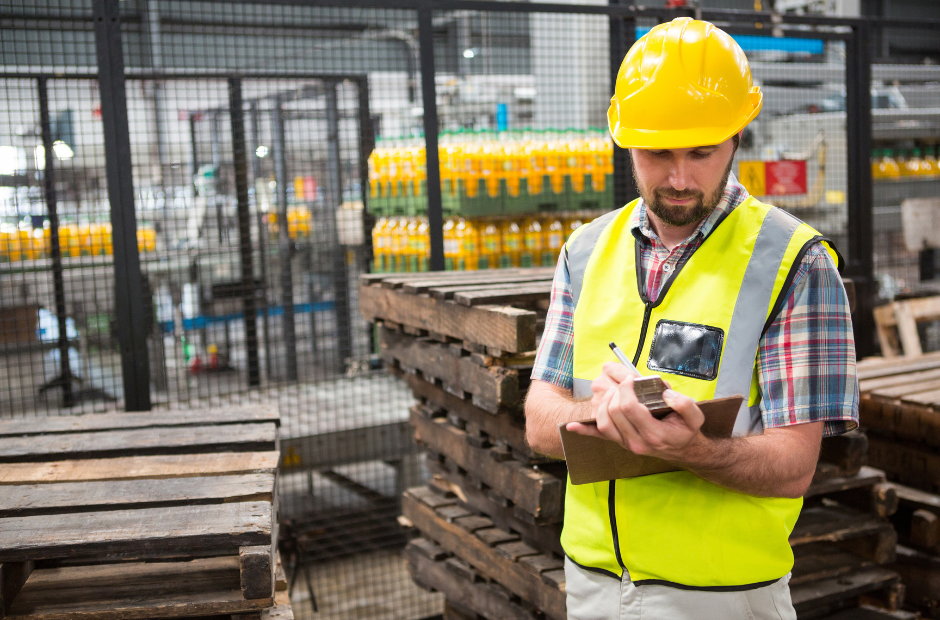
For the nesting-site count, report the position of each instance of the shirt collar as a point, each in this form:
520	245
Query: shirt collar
734	194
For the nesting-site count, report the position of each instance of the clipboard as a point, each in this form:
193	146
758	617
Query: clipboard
591	459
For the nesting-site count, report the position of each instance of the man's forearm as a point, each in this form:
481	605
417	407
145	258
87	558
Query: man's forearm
546	407
775	464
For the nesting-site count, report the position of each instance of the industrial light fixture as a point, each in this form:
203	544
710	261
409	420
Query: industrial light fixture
8	160
59	148
469	53
261	151
62	150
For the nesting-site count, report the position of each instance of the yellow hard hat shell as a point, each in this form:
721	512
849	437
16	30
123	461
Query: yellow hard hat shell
685	83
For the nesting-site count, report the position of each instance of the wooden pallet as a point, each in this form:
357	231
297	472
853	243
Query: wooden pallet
86	506
838	553
467	376
467	591
482	307
532	490
896	323
497	554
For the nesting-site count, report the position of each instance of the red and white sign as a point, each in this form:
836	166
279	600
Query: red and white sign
787	176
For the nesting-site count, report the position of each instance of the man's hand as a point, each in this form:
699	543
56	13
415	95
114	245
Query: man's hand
622	418
778	463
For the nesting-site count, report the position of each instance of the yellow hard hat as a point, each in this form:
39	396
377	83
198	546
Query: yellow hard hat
684	84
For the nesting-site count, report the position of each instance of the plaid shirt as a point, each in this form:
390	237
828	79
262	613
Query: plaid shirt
805	361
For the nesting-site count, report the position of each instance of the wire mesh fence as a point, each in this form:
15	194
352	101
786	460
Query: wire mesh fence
277	152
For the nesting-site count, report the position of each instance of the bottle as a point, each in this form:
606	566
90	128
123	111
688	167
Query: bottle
909	163
888	167
491	246
410	239
930	156
395	230
554	238
532	244
571	225
451	244
512	244
421	248
876	165
379	239
918	166
468	240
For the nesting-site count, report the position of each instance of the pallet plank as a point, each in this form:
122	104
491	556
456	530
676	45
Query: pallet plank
137	442
491	388
485	559
507	426
534	491
517	295
58	498
500	327
149	531
135	590
434	575
135	467
114	421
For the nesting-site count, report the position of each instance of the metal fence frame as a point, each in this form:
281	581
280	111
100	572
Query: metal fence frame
857	33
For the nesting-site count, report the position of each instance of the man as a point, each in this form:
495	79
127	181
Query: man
720	295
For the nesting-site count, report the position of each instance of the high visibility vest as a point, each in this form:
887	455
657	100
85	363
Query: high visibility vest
676	528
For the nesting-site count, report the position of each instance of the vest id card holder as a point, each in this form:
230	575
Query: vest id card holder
686	349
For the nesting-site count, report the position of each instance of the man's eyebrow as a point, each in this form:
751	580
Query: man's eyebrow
710	146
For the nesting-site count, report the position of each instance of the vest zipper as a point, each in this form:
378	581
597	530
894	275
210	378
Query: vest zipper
646	322
612	493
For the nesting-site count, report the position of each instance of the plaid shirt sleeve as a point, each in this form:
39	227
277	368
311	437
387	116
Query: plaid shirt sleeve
806	360
553	360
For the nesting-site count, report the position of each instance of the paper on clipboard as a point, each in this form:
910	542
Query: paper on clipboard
591	459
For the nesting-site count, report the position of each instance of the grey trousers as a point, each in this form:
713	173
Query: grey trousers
593	596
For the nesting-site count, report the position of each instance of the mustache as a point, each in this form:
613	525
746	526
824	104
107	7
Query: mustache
688	194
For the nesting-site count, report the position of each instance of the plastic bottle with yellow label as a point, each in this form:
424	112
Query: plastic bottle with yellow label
451	244
491	245
468	239
532	243
378	245
571	225
512	244
930	156
554	239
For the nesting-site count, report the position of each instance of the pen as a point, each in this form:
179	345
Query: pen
623	358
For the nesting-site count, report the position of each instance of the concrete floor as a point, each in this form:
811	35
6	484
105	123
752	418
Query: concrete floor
373	586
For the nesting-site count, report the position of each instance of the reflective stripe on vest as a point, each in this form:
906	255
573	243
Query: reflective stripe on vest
675	527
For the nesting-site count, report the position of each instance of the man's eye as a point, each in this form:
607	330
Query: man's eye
701	154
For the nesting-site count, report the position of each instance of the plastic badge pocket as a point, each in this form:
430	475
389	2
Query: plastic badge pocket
686	349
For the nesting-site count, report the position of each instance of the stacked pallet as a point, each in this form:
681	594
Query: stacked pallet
900	409
141	515
490	517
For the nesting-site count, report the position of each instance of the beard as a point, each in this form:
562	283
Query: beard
683	215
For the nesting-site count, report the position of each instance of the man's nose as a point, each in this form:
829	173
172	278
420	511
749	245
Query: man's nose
679	176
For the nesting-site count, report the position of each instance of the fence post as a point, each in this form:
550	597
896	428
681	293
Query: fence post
429	99
240	161
622	37
55	251
285	245
128	299
860	227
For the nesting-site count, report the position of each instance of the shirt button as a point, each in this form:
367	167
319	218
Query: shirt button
667	267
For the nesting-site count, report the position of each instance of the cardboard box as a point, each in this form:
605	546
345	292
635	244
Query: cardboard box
18	323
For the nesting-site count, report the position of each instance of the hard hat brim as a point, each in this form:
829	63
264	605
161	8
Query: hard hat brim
632	138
